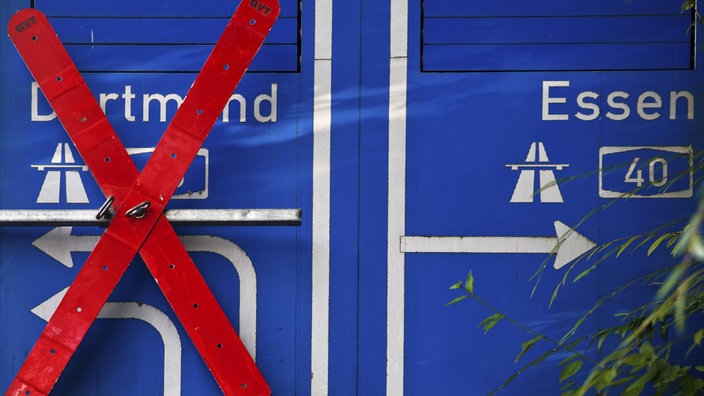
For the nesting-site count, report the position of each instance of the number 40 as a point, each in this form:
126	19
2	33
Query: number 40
652	170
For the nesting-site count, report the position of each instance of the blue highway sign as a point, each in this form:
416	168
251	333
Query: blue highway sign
420	141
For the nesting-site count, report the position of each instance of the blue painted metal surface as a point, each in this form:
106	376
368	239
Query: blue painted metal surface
255	156
560	76
584	85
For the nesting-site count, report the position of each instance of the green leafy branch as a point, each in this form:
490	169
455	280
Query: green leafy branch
634	364
467	287
643	356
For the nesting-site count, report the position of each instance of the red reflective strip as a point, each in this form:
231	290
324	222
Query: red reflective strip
159	250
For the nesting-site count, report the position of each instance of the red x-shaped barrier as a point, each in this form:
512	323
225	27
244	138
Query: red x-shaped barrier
139	200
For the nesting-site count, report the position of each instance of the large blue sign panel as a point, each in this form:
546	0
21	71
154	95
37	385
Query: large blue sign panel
139	59
422	141
521	120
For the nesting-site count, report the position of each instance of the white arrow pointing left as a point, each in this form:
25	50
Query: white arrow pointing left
144	312
59	243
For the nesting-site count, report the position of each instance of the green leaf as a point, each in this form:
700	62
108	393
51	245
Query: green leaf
692	387
526	346
700	368
615	355
605	378
490	322
663	330
554	294
634	389
469	283
623	381
657	242
570	370
456	300
669	374
456	285
602	338
568	359
636	360
625	245
647	350
583	274
509	380
673	238
643	242
567	387
687	5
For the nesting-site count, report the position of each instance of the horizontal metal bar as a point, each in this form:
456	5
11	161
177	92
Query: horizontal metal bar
215	217
234	216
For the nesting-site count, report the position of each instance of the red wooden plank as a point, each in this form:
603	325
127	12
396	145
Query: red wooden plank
125	235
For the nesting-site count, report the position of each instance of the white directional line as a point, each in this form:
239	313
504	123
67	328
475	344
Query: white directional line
477	244
59	243
247	277
320	216
146	313
567	245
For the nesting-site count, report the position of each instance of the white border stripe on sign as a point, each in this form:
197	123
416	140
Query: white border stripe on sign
395	300
320	311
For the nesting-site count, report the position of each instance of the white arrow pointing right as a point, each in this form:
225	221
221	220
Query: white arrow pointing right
567	245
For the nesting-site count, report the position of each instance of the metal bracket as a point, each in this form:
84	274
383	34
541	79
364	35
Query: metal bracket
106	211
